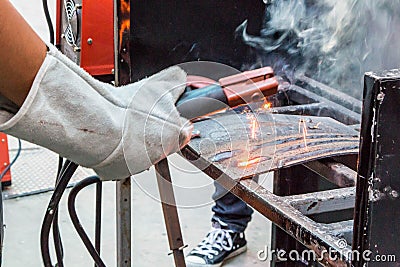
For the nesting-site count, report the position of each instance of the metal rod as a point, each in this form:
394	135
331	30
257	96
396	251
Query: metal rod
170	212
333	110
124	234
323	201
122	74
336	173
97	242
327	92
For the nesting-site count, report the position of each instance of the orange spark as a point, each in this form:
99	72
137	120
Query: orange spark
303	128
267	106
247	163
253	125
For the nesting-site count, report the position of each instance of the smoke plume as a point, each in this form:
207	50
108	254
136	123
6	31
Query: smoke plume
334	42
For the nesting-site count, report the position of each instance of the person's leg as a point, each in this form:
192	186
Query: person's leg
226	239
230	210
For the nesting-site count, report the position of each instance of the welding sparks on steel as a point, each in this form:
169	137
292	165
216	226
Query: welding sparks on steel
249	162
253	124
267	106
271	101
303	130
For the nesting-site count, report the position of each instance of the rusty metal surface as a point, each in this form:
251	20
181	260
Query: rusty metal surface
323	201
170	212
228	143
123	223
336	173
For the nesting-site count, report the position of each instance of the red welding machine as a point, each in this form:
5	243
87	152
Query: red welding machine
85	33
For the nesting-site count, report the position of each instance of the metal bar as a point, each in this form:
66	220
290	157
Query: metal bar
97	238
314	236
343	229
333	110
170	212
122	74
124	233
323	201
291	181
306	109
334	172
327	92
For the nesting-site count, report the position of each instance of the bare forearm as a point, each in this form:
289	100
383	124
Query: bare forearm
21	54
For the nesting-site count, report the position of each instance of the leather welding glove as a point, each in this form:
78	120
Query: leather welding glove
116	131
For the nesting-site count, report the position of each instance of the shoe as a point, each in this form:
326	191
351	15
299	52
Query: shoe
218	245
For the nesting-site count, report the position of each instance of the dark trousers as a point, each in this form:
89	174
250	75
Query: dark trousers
230	209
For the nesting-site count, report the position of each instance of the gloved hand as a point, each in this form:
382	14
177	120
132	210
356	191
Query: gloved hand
116	131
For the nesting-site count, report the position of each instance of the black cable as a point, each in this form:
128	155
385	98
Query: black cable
56	231
60	165
13	161
75	220
48	20
58	246
97	233
68	170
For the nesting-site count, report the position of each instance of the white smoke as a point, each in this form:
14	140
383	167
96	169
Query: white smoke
333	41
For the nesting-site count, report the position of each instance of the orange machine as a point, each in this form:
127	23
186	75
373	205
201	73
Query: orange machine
85	33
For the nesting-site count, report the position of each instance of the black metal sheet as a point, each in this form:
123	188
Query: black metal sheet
165	33
376	225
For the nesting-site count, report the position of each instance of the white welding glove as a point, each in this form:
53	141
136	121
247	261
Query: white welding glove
116	131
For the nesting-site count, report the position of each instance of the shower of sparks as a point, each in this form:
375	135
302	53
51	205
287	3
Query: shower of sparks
303	129
266	106
253	125
250	162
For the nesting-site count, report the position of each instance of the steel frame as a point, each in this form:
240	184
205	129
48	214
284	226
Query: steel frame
286	211
290	211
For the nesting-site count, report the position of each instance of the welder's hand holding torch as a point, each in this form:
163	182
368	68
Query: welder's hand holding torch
117	131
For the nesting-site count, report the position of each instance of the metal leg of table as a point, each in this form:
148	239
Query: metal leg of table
170	212
289	181
124	223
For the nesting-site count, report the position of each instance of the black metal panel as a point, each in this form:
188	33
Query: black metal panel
123	36
165	33
377	214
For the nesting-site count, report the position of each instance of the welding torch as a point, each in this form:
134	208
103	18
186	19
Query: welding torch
203	96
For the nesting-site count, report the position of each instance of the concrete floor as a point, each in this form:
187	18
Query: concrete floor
23	216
